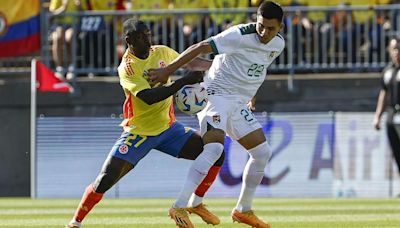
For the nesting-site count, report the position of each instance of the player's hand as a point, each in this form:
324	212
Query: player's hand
160	75
252	104
377	124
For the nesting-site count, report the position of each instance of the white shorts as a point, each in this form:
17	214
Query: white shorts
228	114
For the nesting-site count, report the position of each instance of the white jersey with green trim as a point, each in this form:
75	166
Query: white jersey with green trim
240	65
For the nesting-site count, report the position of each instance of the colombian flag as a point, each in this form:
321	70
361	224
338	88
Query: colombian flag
19	27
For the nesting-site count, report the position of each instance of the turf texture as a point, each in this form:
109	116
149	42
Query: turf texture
123	213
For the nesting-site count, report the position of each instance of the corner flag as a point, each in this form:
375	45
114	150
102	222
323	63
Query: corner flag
48	82
42	79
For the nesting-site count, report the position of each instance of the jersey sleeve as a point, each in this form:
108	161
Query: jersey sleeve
282	44
55	4
226	42
130	81
383	84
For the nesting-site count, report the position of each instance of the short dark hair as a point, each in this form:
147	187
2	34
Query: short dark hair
133	27
396	44
398	40
270	10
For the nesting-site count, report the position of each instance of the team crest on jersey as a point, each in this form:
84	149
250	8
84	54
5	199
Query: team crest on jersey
272	54
123	149
216	119
162	63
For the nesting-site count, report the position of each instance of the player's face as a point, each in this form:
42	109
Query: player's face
395	54
267	28
140	42
145	39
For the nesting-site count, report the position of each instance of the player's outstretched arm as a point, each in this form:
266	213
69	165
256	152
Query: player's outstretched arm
198	64
161	75
380	106
157	94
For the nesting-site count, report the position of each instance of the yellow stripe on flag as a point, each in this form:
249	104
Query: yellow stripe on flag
19	10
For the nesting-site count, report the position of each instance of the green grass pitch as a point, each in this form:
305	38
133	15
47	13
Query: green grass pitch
123	213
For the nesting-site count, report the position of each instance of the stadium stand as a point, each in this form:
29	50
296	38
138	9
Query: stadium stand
334	38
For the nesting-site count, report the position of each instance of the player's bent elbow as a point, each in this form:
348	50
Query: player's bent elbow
205	47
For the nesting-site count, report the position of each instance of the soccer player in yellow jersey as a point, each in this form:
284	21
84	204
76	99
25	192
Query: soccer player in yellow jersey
149	122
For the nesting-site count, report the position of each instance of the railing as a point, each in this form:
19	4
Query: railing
336	43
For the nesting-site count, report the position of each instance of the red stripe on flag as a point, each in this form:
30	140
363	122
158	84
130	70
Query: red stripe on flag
48	81
21	46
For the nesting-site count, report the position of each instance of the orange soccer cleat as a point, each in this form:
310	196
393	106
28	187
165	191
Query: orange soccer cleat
181	217
248	218
205	214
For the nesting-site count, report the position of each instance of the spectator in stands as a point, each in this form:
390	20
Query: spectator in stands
159	24
362	17
317	24
389	99
392	24
220	22
256	3
99	32
193	24
363	24
62	35
343	31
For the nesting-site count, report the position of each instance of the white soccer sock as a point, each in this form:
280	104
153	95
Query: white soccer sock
252	175
198	171
195	200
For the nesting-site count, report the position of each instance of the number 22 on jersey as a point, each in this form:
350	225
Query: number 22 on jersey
255	70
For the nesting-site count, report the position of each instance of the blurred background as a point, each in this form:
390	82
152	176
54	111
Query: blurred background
316	105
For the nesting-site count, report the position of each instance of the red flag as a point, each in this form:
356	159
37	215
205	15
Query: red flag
47	80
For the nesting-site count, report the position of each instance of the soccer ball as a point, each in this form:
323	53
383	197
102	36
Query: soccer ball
191	99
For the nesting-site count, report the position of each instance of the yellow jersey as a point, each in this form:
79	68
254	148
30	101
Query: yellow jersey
361	17
191	19
150	5
71	7
319	16
139	117
104	5
235	18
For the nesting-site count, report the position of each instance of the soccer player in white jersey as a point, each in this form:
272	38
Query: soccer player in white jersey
242	55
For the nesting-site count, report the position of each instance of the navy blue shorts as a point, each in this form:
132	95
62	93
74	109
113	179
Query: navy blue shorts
133	148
